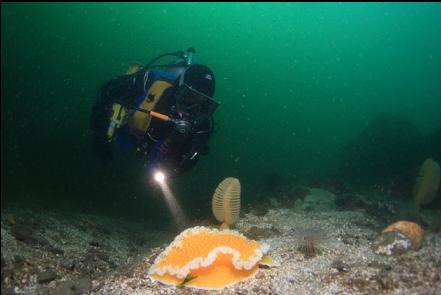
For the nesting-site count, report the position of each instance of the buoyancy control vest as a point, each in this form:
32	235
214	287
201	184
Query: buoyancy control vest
136	114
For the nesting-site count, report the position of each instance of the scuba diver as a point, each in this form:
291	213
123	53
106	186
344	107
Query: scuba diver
164	111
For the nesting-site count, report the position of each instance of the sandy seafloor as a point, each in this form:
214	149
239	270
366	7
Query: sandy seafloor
49	252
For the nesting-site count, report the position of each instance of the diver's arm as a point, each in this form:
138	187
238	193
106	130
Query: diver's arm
118	89
164	155
99	122
198	147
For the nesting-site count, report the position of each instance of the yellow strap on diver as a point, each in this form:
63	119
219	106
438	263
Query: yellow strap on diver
140	121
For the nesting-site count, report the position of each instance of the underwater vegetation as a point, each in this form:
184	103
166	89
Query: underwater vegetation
226	202
435	153
434	141
390	145
309	241
309	245
427	183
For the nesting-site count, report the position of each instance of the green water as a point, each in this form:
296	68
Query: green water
298	82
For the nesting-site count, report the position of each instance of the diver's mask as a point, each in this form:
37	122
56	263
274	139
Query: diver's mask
192	107
193	102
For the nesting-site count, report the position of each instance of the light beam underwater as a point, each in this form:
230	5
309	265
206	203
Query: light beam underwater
176	211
